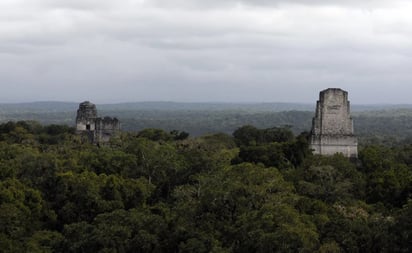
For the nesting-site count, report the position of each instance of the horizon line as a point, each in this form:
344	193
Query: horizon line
196	102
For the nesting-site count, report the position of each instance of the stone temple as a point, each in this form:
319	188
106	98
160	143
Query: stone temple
99	130
332	126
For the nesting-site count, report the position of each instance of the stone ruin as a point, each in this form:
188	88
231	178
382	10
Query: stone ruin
332	127
98	130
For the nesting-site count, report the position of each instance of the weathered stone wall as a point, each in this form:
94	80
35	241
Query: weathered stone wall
97	130
86	117
106	128
330	145
332	129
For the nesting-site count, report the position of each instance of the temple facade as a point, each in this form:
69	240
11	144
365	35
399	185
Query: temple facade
332	127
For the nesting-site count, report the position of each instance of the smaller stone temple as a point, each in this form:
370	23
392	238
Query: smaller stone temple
332	127
99	130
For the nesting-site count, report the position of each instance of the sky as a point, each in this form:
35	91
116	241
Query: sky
110	51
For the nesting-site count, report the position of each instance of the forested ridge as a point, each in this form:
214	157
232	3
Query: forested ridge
388	126
255	190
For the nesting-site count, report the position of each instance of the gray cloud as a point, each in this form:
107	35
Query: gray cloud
182	51
267	3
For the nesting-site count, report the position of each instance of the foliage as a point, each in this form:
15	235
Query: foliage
260	190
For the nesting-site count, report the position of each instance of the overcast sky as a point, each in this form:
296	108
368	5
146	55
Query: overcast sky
111	51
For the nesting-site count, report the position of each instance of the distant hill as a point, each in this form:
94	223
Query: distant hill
372	122
34	107
162	106
50	106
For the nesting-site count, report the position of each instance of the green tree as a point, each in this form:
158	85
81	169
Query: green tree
249	208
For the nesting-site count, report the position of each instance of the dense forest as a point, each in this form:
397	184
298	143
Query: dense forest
254	190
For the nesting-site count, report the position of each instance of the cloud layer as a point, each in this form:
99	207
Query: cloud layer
139	50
